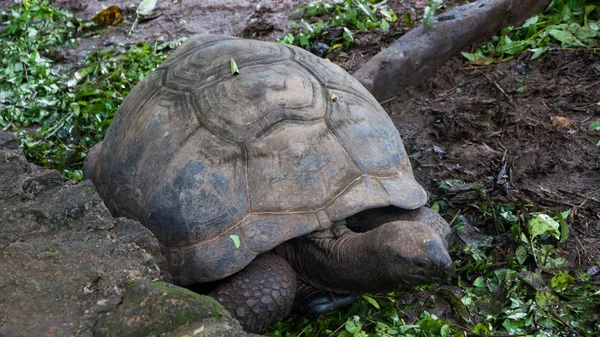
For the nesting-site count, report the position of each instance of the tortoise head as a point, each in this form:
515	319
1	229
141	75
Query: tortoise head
412	254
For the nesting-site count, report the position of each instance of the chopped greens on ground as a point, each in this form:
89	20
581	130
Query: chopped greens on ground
334	23
61	114
564	24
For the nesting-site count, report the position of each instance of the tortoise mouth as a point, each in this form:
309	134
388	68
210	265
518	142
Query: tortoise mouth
426	276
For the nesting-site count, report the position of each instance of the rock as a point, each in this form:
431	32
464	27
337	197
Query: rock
70	269
178	306
8	141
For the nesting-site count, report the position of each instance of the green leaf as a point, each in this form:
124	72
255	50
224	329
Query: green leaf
363	6
545	297
557	263
477	58
543	225
537	52
531	21
235	239
588	11
458	305
564	228
146	7
479	282
353	325
385	26
81	74
348	35
521	254
372	301
595	126
561	281
51	254
233	67
584	34
407	21
524	239
566	14
481	329
566	37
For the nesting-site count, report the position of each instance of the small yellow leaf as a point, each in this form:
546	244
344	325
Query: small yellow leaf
199	330
334	97
108	17
561	121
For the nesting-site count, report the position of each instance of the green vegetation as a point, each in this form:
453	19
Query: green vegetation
429	12
522	288
517	286
59	117
336	22
564	24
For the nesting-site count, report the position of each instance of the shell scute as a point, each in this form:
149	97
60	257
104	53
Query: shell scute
245	106
200	193
297	167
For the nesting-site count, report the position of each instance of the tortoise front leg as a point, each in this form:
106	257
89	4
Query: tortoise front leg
261	294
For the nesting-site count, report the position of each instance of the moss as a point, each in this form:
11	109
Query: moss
152	308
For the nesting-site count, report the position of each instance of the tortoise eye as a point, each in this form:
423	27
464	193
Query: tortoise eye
422	263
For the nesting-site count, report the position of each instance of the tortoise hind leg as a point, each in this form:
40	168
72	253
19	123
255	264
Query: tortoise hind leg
261	294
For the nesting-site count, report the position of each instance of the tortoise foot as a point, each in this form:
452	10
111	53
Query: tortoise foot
261	294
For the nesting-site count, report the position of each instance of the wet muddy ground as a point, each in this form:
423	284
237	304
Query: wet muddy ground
518	131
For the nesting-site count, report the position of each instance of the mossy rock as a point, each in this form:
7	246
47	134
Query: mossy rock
154	307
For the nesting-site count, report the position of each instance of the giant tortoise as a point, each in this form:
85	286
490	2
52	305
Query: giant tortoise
267	178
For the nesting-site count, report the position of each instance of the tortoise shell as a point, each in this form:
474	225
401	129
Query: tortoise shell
222	168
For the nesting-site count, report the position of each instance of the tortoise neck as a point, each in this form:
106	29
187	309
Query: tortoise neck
340	260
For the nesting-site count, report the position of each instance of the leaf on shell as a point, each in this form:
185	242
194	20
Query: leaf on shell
235	239
233	67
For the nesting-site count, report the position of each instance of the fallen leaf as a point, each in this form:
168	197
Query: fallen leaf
561	121
146	7
108	17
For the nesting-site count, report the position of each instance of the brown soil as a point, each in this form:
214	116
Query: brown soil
530	147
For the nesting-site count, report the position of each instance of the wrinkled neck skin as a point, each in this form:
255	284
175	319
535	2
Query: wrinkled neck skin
340	260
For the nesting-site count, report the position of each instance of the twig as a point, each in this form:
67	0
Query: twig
510	100
504	92
584	196
7	126
454	218
388	100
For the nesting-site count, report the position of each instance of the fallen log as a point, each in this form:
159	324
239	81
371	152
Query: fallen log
417	55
